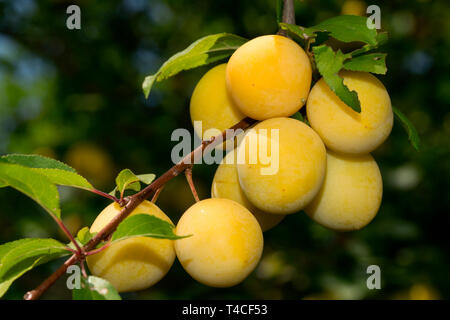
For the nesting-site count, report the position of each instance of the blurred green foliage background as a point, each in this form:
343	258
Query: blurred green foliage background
75	95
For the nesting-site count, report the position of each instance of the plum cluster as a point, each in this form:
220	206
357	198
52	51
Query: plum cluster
324	167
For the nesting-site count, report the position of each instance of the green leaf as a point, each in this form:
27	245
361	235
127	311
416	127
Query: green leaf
127	180
36	161
84	235
148	83
55	171
298	116
346	28
204	51
36	177
301	32
3	184
18	257
65	178
146	178
94	288
33	184
4	286
145	225
373	62
413	136
382	38
329	63
113	192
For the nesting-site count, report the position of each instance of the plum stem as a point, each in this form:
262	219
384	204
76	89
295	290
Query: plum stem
188	174
105	195
90	253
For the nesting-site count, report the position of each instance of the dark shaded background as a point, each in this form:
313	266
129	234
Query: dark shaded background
76	96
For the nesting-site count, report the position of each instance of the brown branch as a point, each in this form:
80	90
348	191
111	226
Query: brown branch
288	15
36	293
132	203
188	174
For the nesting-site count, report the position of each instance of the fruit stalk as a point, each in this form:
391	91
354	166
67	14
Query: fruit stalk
131	203
188	174
105	195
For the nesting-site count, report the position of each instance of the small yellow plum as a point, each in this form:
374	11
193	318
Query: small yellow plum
351	193
269	76
136	263
341	128
211	104
281	165
226	242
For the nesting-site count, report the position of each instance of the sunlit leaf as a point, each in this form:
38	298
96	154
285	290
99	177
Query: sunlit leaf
146	178
298	116
413	136
346	28
36	161
204	51
94	288
33	184
382	38
373	62
55	171
20	256
127	180
145	225
329	63
84	235
301	32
